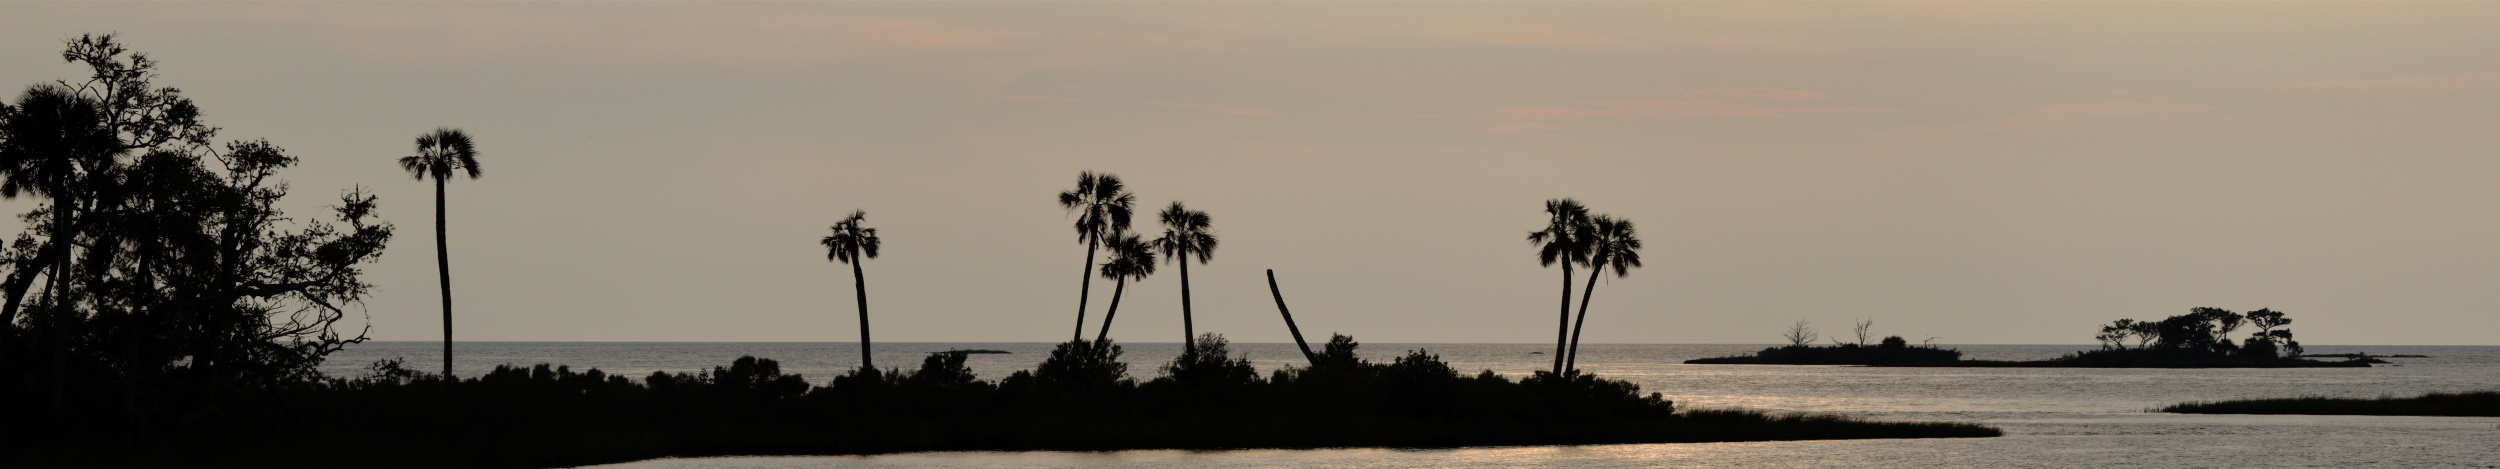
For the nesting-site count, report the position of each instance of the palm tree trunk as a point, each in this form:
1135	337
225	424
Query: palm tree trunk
67	239
1107	315
1562	333
1571	361
859	283
1189	332
1288	314
442	262
1086	290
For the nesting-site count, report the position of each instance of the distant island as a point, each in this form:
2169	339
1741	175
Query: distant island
1892	350
2198	339
2469	404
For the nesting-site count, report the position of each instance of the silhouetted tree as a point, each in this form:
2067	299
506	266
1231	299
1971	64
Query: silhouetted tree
65	139
1186	236
1102	206
1864	329
2114	335
442	155
1131	258
1564	240
51	142
2145	332
1800	334
850	244
1614	245
2268	322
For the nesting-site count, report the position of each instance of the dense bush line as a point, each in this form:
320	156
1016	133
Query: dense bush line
1080	398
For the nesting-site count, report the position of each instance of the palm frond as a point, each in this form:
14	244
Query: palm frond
851	242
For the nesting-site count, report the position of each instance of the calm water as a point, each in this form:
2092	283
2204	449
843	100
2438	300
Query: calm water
2052	417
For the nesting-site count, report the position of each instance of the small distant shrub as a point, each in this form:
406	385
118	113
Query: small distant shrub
943	371
1419	367
1209	364
758	376
1082	365
1337	361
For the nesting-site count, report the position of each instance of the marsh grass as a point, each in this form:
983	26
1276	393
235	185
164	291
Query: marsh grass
2467	404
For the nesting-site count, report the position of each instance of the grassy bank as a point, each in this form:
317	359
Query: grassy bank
1079	399
2470	404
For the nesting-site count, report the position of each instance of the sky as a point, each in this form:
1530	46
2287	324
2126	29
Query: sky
1976	173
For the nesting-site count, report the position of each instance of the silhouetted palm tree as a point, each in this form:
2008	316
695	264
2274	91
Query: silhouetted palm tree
441	155
1131	258
848	244
49	142
1186	235
1102	204
1563	240
1612	245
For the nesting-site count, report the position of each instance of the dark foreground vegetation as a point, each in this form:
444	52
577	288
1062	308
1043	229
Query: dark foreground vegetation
1079	399
2470	404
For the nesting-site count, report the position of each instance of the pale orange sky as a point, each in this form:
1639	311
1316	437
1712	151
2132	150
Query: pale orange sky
1978	172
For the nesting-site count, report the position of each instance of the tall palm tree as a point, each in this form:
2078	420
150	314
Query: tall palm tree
1186	235
847	244
50	142
1131	258
442	155
1563	240
1102	204
1612	245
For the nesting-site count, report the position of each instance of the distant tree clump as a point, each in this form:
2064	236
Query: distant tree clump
2202	333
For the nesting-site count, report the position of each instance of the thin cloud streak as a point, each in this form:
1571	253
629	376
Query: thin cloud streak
1635	108
2409	83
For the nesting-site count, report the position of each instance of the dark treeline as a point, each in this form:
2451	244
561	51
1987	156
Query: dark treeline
1079	398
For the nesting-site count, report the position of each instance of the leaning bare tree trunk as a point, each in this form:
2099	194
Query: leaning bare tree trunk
1289	327
1189	333
442	262
22	280
1562	333
1571	361
1119	288
1085	290
859	283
